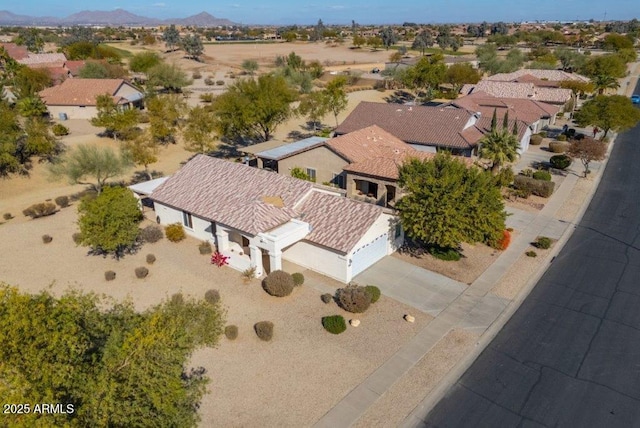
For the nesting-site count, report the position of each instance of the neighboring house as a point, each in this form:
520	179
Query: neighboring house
427	129
523	90
549	78
14	51
76	98
74	67
43	59
364	162
258	218
535	114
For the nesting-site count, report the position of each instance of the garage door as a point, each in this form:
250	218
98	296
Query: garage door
369	254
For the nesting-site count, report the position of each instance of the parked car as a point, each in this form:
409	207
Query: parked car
375	70
635	99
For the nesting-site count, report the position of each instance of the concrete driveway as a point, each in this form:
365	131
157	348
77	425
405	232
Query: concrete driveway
426	291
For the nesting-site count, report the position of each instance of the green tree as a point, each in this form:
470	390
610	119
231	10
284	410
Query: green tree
169	77
616	42
578	87
143	61
447	203
86	162
27	82
165	112
253	108
335	96
569	59
192	45
115	366
38	140
422	42
359	41
609	113
171	37
388	37
200	130
250	66
375	42
117	122
10	132
31	38
604	70
461	73
32	106
425	76
299	173
142	150
314	106
101	70
499	147
109	223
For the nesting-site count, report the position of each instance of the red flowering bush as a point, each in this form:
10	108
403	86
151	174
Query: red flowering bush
503	244
219	260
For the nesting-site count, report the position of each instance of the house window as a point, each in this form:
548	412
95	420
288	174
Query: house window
187	220
312	174
338	180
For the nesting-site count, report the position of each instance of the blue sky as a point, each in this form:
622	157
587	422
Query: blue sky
343	11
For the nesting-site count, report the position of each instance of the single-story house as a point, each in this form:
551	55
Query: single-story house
258	218
536	114
76	98
522	90
549	78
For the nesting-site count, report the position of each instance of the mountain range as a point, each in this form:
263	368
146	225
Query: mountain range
113	18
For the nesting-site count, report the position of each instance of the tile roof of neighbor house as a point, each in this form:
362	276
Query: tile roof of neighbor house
387	167
239	196
529	111
14	51
84	92
550	75
44	58
519	90
432	126
75	66
367	143
286	150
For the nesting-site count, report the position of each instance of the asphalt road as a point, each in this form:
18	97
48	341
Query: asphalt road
570	356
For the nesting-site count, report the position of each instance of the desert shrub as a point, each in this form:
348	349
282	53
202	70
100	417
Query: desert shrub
374	292
558	146
542	175
542	243
532	186
151	259
62	201
220	82
334	324
326	298
109	275
59	130
206	98
174	232
204	247
527	172
560	161
535	140
446	254
212	296
231	331
353	298
196	75
209	81
278	283
47	238
503	244
143	117
504	178
40	210
531	254
561	137
141	272
543	134
77	238
249	273
298	279
264	330
85	194
151	234
7	216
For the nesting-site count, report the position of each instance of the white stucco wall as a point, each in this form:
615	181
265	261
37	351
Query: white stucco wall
524	142
126	90
201	228
318	259
73	112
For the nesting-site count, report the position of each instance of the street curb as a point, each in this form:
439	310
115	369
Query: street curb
450	379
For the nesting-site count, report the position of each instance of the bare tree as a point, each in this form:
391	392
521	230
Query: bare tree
587	150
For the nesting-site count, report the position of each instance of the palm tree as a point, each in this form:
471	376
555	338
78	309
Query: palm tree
499	146
603	82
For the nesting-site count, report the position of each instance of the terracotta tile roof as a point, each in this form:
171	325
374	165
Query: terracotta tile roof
80	91
232	194
14	51
519	90
75	66
549	75
385	167
529	111
43	58
57	64
431	126
337	222
367	143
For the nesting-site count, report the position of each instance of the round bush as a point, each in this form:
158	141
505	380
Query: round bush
535	140
298	279
543	134
264	330
446	254
151	259
558	147
141	272
109	275
531	254
326	298
212	296
151	234
7	216
220	82
543	243
560	161
561	137
278	283
542	175
177	299
77	238
231	331
46	239
334	324
174	232
374	292
59	130
205	247
62	201
353	298
196	75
